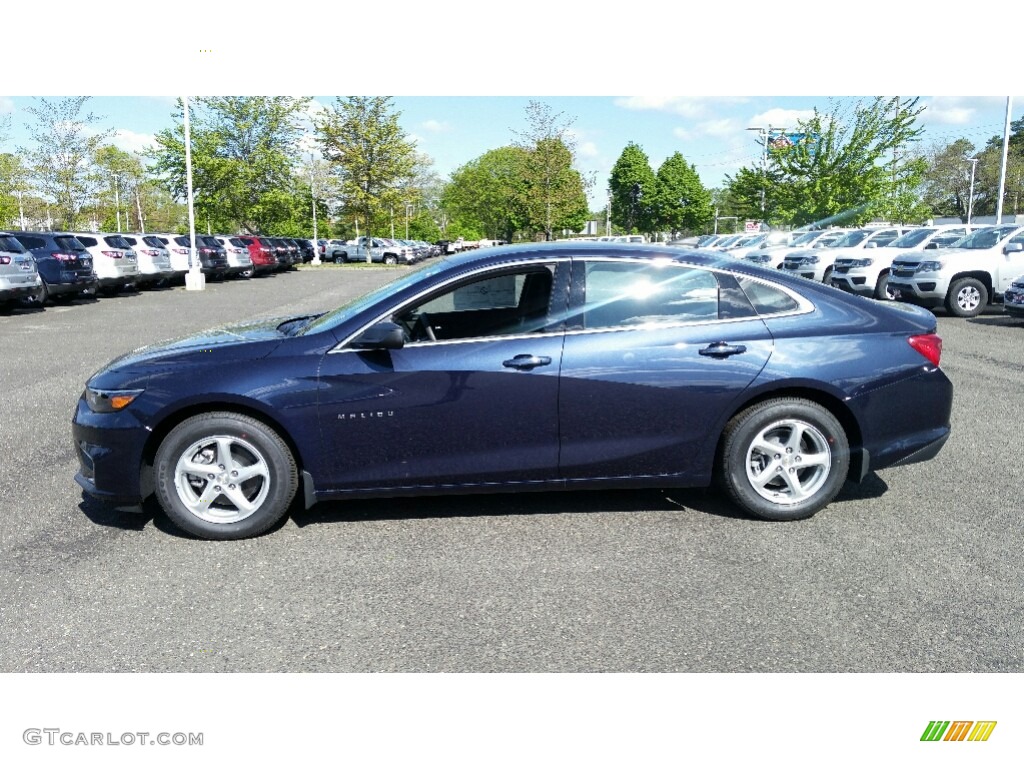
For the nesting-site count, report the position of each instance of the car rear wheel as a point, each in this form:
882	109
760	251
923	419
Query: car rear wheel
784	459
967	297
390	259
224	475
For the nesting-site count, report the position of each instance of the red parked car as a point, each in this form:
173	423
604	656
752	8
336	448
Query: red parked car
262	254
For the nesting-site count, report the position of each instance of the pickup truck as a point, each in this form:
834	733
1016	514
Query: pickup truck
381	251
965	279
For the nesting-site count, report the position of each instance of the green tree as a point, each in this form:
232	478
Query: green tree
369	153
857	163
489	194
243	154
15	186
61	161
679	201
632	185
556	195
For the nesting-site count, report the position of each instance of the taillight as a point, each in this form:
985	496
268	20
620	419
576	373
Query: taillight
63	256
113	254
929	345
5	259
148	252
182	251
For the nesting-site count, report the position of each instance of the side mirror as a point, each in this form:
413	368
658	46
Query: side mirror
383	335
932	247
872	244
1013	248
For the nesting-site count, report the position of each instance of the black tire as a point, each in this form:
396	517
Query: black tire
814	432
44	293
827	277
882	291
251	447
967	297
390	259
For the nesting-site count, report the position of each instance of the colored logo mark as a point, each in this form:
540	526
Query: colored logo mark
958	730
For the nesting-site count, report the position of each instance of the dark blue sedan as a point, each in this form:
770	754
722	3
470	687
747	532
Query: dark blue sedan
534	367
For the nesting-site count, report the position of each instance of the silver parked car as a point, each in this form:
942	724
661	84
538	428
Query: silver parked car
18	276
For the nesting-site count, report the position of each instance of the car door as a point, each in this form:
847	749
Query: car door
1011	263
654	356
471	398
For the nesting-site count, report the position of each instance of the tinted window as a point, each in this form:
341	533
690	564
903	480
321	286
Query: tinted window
116	241
623	294
767	299
10	244
851	239
68	243
211	242
182	240
153	241
88	242
237	242
131	241
986	238
912	238
32	243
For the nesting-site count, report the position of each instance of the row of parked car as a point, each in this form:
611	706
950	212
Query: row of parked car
43	266
382	250
960	267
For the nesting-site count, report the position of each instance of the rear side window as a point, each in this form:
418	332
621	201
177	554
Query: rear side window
154	242
131	241
767	299
32	243
237	242
68	243
88	242
625	294
116	241
211	242
182	240
10	244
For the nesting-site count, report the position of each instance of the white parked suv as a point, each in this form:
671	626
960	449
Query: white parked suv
239	260
964	279
868	275
113	260
816	264
153	258
18	276
773	256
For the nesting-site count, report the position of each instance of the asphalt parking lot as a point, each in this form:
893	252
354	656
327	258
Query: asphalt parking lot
917	570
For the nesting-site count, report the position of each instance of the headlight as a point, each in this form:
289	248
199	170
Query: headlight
811	258
930	266
109	400
861	262
760	258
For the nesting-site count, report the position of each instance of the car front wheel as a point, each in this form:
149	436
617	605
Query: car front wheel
784	459
224	475
967	297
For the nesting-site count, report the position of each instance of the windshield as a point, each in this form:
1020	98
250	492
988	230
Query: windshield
851	239
807	237
912	238
357	305
988	237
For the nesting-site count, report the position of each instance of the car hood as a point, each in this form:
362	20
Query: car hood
243	341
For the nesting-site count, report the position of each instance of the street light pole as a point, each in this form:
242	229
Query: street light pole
1002	166
970	197
117	202
195	280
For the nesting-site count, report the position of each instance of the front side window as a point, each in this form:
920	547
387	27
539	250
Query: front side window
512	302
913	238
622	294
850	239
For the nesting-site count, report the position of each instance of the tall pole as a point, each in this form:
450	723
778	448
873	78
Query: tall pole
1002	166
970	197
608	215
21	211
117	204
195	280
138	207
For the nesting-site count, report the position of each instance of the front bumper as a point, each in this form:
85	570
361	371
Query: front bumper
109	447
927	291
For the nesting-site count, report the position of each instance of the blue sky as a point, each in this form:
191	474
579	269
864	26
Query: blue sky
709	131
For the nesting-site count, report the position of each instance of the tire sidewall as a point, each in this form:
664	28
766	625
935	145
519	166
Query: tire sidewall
954	290
281	465
747	425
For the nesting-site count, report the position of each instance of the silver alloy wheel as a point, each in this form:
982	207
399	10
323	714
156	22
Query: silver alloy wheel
222	479
788	461
968	298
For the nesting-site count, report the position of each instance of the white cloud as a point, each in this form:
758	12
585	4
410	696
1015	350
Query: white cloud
719	128
680	105
6	105
435	126
588	149
130	141
781	118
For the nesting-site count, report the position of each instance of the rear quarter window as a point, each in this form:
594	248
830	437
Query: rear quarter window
32	243
767	299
